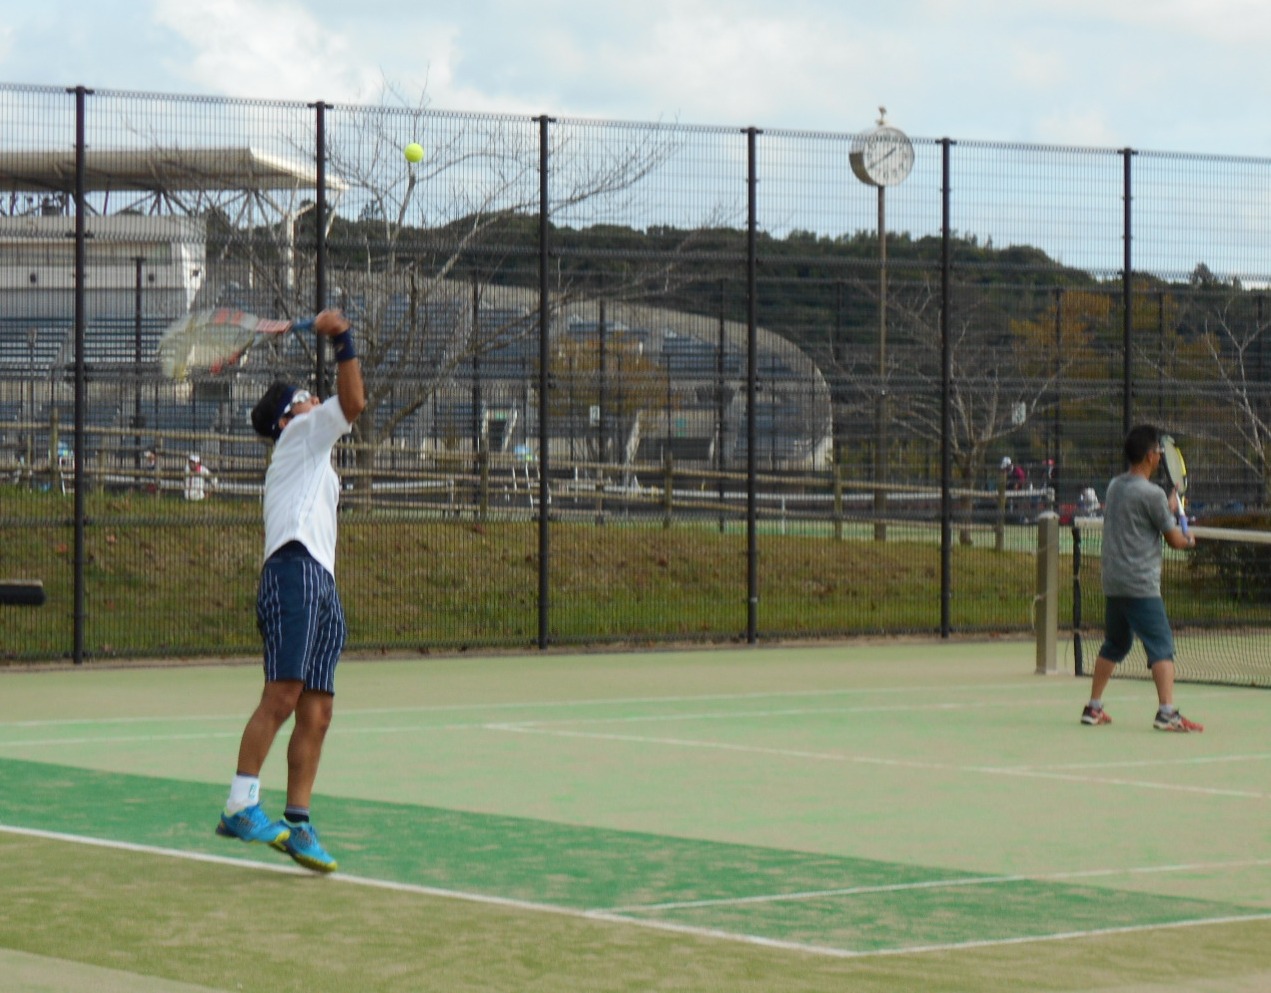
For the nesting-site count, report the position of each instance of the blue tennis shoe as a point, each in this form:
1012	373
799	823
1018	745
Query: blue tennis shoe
302	845
252	824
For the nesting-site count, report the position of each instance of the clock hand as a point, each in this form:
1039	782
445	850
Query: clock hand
885	156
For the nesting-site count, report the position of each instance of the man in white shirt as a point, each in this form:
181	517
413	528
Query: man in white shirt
298	609
197	478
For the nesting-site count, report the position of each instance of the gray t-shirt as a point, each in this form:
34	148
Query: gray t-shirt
1135	515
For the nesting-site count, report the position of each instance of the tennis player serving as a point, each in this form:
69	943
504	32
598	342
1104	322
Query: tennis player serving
298	609
1136	515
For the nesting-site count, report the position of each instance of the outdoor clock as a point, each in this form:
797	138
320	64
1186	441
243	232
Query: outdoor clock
882	157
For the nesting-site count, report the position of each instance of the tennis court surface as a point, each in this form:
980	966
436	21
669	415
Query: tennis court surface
874	817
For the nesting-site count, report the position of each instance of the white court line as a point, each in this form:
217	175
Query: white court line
957	881
117	740
1149	763
611	917
1023	771
345	713
1062	772
1137	783
727	715
1012	687
535	704
340	727
335	731
1056	936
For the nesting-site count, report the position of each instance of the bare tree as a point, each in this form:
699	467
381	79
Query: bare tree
1231	355
436	259
1005	374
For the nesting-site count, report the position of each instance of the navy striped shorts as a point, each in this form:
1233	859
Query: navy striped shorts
300	618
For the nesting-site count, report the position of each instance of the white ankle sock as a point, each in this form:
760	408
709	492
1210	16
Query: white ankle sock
244	792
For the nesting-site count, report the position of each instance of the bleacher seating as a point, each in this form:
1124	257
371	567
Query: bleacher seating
694	358
29	349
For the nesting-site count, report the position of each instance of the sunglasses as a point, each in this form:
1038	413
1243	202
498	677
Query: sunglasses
300	396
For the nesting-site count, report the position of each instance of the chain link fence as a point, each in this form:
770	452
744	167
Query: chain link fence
770	400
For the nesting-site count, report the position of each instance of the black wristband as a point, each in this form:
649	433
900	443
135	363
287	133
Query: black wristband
343	344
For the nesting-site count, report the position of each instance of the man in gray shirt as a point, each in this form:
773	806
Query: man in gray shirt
1136	515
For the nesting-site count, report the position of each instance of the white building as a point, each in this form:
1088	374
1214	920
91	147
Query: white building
37	265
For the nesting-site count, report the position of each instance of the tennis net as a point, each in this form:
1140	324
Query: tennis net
1217	596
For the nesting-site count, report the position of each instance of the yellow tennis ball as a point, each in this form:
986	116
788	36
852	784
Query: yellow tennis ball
414	152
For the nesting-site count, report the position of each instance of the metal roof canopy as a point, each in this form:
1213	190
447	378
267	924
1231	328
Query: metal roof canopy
159	170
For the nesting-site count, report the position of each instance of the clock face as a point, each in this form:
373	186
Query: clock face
883	157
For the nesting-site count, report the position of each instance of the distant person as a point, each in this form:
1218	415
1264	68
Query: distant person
1016	478
1136	515
298	609
197	478
65	466
1088	503
150	466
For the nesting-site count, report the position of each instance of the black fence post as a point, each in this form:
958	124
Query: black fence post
1127	298
721	462
139	262
752	325
320	235
1078	661
946	386
80	457
544	361
1057	424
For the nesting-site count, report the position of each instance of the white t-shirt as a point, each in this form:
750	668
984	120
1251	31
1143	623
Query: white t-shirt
302	489
196	477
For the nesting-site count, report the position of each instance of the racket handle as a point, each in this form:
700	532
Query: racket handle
1183	525
304	324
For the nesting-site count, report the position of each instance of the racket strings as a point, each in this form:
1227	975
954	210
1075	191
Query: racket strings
212	341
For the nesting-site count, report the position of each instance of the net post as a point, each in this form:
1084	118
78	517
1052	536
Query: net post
1046	602
1078	662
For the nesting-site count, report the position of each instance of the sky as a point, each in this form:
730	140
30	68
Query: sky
1155	75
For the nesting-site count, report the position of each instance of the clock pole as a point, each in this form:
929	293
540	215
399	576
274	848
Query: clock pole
880	445
881	158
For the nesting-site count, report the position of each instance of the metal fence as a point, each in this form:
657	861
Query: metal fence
751	359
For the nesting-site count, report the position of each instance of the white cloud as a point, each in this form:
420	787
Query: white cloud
264	48
1040	70
1245	23
747	68
1159	74
1089	128
702	62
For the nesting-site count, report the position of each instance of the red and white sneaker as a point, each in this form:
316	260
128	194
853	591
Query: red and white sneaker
1175	722
1095	716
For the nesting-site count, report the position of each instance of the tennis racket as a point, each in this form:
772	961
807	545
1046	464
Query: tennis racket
211	341
1176	475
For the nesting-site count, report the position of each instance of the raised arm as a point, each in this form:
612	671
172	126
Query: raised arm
348	376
